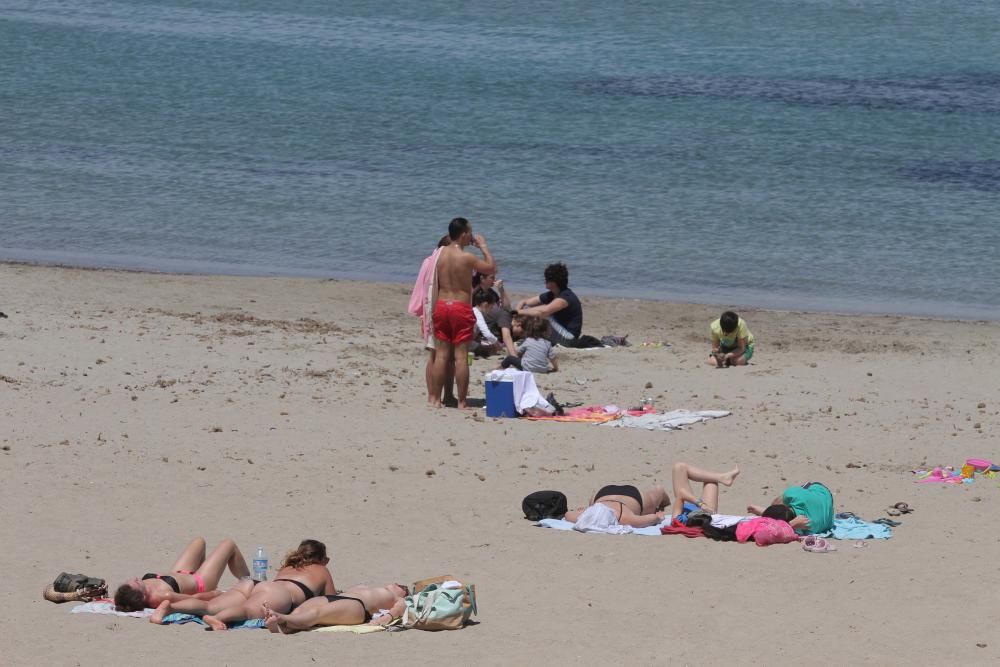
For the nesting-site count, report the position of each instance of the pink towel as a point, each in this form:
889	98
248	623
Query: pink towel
421	294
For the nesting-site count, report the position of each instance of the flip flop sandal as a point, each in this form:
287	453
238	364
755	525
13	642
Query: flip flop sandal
817	545
903	507
893	512
848	515
888	522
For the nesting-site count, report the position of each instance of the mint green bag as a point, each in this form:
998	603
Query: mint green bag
436	608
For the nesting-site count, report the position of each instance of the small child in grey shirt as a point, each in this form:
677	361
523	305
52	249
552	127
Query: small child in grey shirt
536	353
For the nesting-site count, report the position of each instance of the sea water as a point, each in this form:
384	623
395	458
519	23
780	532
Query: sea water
823	154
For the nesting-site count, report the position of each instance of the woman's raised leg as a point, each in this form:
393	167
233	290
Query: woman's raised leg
684	474
227	554
192	557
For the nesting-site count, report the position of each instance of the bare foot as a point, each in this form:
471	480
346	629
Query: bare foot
462	405
214	623
727	479
275	622
160	613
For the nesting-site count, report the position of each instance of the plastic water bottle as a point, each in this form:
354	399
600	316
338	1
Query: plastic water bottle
260	565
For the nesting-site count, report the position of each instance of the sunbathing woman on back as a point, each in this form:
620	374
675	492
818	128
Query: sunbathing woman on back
375	605
302	576
193	575
643	509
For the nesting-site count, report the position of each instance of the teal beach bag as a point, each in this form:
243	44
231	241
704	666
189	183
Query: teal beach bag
436	608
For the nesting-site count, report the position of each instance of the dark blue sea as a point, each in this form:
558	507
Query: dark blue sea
833	155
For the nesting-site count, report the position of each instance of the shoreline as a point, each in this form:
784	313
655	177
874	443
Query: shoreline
523	288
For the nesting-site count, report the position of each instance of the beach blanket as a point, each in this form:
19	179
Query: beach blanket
853	528
596	414
258	623
591	415
562	524
667	421
105	606
356	629
182	619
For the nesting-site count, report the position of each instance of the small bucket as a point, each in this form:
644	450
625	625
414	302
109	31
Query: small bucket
979	465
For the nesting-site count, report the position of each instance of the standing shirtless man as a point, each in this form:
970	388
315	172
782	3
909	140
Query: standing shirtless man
454	321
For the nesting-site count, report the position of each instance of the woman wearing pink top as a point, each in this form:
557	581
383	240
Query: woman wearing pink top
422	305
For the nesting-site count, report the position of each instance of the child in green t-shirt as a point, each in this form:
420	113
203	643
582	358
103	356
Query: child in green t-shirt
732	342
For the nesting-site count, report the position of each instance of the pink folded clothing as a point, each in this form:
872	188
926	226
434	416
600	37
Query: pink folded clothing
765	531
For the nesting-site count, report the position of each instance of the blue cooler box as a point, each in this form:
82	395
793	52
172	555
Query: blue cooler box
499	398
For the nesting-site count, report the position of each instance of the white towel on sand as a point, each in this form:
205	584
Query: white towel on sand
667	421
562	524
108	607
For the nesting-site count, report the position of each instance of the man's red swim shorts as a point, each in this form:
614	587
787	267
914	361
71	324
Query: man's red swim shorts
454	321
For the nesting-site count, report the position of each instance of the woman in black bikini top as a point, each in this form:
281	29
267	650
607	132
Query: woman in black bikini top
194	573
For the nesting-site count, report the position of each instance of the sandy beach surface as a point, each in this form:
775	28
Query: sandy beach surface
142	410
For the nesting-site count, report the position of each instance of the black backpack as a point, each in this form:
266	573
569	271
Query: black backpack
544	505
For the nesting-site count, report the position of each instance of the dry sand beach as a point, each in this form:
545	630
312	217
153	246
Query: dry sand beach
142	410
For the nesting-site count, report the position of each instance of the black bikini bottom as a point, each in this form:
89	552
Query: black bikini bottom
305	589
620	490
334	598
